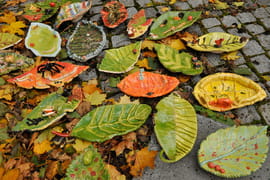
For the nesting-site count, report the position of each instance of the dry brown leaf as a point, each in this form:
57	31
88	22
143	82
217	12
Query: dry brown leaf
114	174
189	37
143	64
2	171
126	100
149	54
83	108
10	164
174	43
52	169
90	87
127	142
148	44
184	78
14	2
41	148
25	169
11	174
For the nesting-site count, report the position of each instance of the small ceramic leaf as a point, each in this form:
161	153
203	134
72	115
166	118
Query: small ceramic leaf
174	61
48	111
225	91
13	61
172	22
147	84
218	42
175	127
122	59
8	40
234	151
138	25
108	121
88	165
42	40
86	42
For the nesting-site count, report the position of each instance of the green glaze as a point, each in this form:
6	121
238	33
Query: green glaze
8	40
105	122
237	150
57	102
122	59
174	61
170	23
175	127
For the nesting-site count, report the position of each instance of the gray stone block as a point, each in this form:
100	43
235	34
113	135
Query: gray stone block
240	60
181	5
263	2
96	18
127	3
246	17
195	28
261	13
264	40
89	74
215	29
264	110
252	76
150	12
160	9
261	63
120	40
97	2
210	22
252	48
255	29
131	12
234	31
267	9
214	59
229	20
95	10
266	22
195	3
143	3
247	114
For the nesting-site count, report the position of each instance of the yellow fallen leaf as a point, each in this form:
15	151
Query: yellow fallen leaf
2	171
188	37
238	4
231	56
7	91
267	78
80	145
14	28
114	174
96	98
51	169
126	100
172	1
221	5
176	44
164	9
11	174
148	44
143	64
8	17
43	147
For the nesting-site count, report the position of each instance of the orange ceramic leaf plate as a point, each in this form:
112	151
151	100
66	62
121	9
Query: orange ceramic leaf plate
53	73
147	84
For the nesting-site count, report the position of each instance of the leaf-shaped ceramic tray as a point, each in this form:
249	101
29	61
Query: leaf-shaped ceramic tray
147	84
8	40
86	42
174	61
50	109
13	61
88	165
234	151
42	40
218	42
226	91
113	13
52	73
138	24
120	60
175	127
172	22
108	121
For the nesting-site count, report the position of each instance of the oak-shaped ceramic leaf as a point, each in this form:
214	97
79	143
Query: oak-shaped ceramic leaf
226	91
138	25
147	84
172	22
42	40
88	165
108	121
49	110
175	127
218	42
174	61
122	59
13	61
234	151
8	40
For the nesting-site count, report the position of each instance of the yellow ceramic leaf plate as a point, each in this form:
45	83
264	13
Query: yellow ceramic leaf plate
225	91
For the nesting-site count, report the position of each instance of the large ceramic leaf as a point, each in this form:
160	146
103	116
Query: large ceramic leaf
172	22
88	165
8	40
225	91
108	121
147	84
234	151
174	61
122	59
218	42
175	127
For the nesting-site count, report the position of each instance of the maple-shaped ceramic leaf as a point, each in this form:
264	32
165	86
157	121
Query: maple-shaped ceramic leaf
120	60
108	121
175	127
234	151
172	22
138	25
88	165
147	84
174	61
218	42
225	91
8	40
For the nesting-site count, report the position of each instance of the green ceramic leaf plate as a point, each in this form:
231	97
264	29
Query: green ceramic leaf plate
8	40
234	151
175	127
218	42
49	110
88	165
108	121
172	22
122	59
174	61
13	61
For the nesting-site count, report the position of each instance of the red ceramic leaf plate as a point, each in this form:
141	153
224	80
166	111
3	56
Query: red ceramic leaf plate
147	84
42	76
113	13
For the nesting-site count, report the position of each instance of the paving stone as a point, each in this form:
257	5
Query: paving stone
127	3
252	76
267	9
210	22
234	31
97	2
95	10
240	60
96	18
122	28
264	40
214	59
261	13
264	110
266	22
246	17
263	2
181	5
229	20
120	40
160	9
143	3
247	114
266	90
150	12
215	29
261	63
89	74
131	12
195	28
195	3
255	29
252	48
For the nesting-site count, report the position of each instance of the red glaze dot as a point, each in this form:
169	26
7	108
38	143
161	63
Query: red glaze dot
76	169
256	154
96	160
256	146
237	159
93	173
217	168
72	175
35	18
211	165
248	167
32	44
52	4
190	18
222	171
